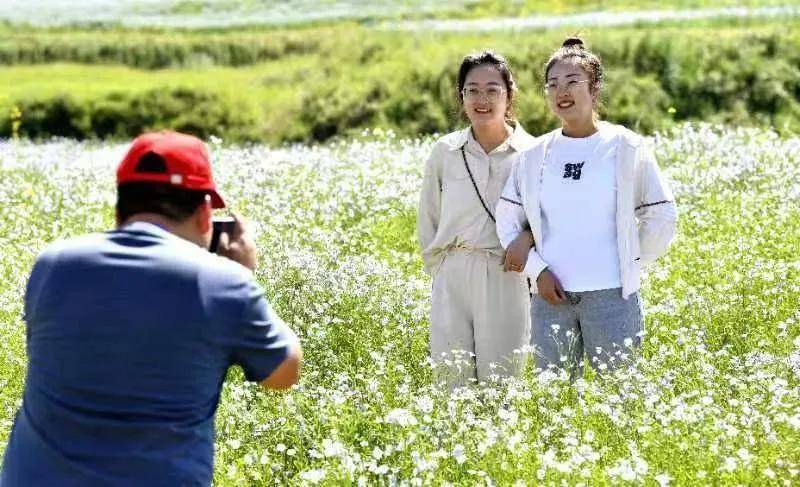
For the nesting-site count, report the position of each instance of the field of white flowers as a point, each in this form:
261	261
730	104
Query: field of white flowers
210	13
714	400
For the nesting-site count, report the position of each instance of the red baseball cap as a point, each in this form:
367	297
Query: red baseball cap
188	164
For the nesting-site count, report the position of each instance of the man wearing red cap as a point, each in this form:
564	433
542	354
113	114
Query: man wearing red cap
130	334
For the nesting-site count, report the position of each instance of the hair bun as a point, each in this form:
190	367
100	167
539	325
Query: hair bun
573	42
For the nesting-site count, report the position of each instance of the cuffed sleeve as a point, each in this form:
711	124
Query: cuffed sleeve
535	264
243	321
262	340
656	212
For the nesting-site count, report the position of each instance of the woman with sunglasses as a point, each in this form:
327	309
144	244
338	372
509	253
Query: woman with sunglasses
480	300
599	209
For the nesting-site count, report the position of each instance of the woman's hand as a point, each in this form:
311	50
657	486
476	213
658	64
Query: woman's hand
550	288
517	252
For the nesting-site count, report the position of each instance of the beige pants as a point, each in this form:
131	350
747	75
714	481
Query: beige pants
479	309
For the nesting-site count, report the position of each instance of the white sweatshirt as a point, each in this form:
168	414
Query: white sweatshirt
578	203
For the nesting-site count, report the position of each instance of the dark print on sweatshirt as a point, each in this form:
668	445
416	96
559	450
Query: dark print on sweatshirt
573	170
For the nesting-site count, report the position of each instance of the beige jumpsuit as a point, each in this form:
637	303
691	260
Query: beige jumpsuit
475	306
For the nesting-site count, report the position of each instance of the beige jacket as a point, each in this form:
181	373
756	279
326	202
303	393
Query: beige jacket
450	215
646	213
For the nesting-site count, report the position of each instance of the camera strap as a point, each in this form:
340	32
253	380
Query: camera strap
483	203
474	185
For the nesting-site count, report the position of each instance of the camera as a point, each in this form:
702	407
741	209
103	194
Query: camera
221	224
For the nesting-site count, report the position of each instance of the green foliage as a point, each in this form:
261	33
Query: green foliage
334	109
154	49
121	115
334	81
60	117
424	101
638	102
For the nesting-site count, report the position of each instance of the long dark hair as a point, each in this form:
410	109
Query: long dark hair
487	58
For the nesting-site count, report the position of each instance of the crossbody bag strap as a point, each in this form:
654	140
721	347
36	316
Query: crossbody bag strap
483	203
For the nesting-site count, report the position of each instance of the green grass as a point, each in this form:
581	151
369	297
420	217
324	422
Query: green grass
262	83
353	77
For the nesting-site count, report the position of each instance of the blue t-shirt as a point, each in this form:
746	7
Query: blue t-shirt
129	337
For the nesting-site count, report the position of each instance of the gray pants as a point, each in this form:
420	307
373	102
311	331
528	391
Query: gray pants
601	324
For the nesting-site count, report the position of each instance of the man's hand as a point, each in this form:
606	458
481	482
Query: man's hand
240	246
550	288
517	252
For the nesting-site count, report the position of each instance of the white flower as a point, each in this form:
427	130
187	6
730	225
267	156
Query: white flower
628	469
313	476
623	470
424	404
422	464
331	448
744	455
729	464
458	454
663	479
379	469
402	417
508	415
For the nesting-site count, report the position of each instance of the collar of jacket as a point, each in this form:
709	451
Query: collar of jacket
519	140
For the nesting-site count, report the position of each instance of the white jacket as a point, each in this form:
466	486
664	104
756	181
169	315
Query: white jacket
646	213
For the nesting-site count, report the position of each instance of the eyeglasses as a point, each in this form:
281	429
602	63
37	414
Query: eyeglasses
492	93
553	87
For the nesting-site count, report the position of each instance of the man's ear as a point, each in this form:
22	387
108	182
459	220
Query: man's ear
202	216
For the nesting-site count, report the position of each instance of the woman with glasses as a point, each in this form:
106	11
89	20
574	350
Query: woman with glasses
599	209
480	301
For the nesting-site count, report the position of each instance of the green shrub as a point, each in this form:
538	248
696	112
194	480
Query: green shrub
336	109
424	102
60	116
126	115
149	50
639	103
